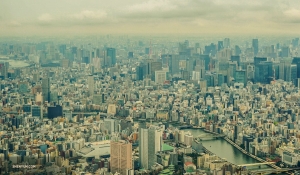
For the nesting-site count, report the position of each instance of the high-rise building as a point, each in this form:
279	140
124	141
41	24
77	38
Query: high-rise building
37	111
174	64
3	69
55	111
206	59
150	141
120	156
241	76
140	72
153	67
226	43
264	72
295	42
91	85
109	125
255	46
46	89
160	77
220	45
236	58
290	72
111	52
257	60
296	60
237	50
285	51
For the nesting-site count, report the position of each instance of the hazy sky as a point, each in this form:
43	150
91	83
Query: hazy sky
48	17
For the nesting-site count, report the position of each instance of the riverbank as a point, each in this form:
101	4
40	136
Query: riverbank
244	151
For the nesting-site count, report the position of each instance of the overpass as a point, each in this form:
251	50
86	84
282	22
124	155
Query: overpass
256	164
209	136
269	171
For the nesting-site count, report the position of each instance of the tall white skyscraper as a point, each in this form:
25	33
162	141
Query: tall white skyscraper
91	85
150	143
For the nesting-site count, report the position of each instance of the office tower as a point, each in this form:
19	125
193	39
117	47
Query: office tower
147	51
264	72
236	58
190	64
295	42
185	75
120	156
109	125
203	85
62	49
54	96
160	77
130	54
86	60
206	59
220	45
150	141
55	111
174	64
237	50
224	54
226	43
296	60
290	72
91	85
46	89
210	82
3	69
37	111
196	75
221	79
154	66
255	46
198	48
241	77
281	70
223	67
257	60
111	54
285	51
232	69
23	87
140	72
111	109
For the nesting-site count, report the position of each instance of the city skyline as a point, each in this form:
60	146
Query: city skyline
148	17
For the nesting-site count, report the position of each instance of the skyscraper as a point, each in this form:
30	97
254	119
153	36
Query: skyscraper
255	46
149	144
3	69
220	45
46	89
155	66
264	72
91	85
111	52
241	77
285	51
140	72
120	156
160	77
226	43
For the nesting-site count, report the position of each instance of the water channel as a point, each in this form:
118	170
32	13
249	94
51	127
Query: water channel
223	149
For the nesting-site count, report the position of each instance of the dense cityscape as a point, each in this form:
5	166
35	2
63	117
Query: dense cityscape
139	105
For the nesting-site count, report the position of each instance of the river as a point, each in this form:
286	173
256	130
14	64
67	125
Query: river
223	149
